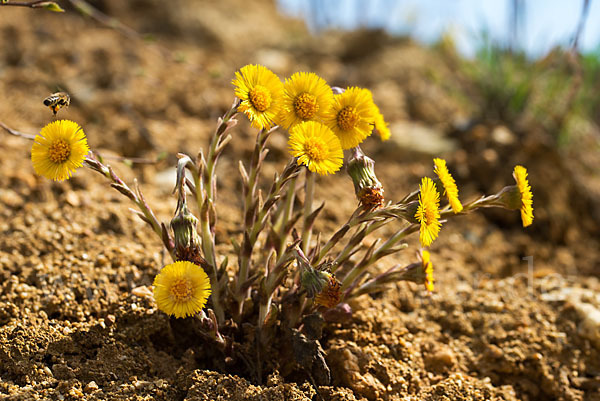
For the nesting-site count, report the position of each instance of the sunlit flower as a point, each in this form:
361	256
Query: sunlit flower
428	268
520	175
352	116
450	188
382	127
59	149
428	212
260	92
306	97
181	289
316	147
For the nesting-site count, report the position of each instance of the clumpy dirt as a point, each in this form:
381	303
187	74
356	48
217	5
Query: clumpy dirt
77	320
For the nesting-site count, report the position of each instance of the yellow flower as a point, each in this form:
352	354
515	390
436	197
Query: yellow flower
382	127
428	268
316	147
59	149
352	116
306	97
450	188
520	175
181	289
428	212
260	92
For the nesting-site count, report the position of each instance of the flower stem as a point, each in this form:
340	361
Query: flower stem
308	201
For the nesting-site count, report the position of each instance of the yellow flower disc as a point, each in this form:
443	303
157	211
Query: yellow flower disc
352	116
450	188
428	212
181	289
520	176
306	97
59	149
316	147
260	92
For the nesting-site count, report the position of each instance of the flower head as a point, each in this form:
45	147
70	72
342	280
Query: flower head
316	147
181	289
260	92
367	187
450	188
382	127
306	97
59	149
520	175
428	212
428	269
352	116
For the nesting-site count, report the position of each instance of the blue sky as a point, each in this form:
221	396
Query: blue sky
547	23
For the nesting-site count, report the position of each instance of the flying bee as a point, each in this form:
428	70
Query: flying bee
57	100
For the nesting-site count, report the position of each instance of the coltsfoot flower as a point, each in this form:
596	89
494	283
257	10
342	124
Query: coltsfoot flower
59	149
450	188
316	147
306	97
181	289
428	269
260	92
520	176
381	126
352	116
428	212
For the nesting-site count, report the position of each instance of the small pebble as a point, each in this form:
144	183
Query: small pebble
91	387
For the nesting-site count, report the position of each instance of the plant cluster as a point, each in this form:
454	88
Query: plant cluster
285	271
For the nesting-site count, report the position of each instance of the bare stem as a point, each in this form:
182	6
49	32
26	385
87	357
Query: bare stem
308	201
10	130
30	4
205	182
389	247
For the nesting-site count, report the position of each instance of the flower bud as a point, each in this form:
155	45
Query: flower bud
187	241
367	187
319	283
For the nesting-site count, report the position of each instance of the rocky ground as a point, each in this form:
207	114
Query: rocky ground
75	322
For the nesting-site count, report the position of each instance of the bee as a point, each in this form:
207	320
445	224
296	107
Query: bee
57	100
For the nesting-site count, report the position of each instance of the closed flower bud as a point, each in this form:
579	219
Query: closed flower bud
187	241
313	280
367	187
319	283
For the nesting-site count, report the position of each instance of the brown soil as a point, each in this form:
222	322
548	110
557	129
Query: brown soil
71	254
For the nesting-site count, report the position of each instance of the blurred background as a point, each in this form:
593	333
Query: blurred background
533	26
